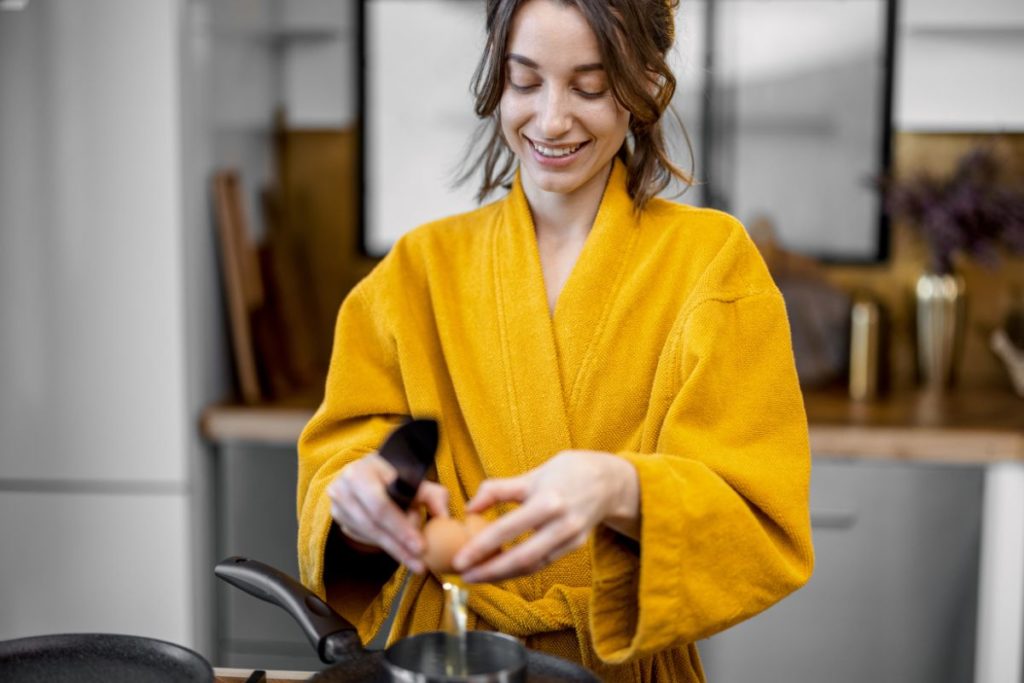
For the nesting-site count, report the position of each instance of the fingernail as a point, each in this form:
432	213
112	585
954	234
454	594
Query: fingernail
415	566
470	577
460	562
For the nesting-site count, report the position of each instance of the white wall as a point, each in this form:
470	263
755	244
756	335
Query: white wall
960	65
94	467
319	62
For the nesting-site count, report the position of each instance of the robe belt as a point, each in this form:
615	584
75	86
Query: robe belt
517	616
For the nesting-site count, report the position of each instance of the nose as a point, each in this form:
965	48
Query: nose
555	116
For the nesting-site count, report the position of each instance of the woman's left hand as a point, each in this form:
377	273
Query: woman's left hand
561	502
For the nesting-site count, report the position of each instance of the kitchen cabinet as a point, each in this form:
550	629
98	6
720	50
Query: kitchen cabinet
893	595
256	513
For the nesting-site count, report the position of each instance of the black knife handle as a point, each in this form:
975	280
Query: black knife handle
402	493
410	449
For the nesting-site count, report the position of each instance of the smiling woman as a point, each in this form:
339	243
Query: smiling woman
611	374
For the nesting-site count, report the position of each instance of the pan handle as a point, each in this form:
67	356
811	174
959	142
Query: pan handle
334	638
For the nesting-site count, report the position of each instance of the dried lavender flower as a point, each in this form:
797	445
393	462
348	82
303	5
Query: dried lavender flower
969	213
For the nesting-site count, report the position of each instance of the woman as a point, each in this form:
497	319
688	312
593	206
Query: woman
611	370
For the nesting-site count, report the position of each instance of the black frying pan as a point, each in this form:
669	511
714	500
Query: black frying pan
100	658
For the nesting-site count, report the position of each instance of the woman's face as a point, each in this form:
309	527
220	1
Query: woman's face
558	113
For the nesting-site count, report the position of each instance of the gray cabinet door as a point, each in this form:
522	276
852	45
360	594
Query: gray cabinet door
893	596
256	500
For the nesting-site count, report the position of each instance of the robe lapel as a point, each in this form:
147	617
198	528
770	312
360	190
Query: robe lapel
592	287
545	357
528	343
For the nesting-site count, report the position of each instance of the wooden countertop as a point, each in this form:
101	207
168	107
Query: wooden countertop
225	675
967	426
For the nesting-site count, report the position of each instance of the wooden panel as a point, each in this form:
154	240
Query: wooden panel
318	224
242	283
228	675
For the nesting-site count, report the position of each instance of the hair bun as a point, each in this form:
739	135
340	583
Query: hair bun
670	22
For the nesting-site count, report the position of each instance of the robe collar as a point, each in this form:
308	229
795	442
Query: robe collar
547	355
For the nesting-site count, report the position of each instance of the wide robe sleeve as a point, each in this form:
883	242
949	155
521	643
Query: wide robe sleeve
363	401
725	525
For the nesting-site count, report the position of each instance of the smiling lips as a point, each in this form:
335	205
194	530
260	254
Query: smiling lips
555	155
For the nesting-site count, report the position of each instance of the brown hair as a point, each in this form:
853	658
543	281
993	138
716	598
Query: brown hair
634	37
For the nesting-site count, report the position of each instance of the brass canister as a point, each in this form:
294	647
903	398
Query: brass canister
866	349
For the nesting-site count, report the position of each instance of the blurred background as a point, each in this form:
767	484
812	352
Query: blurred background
189	188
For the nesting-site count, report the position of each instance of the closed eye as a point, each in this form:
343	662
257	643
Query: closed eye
582	93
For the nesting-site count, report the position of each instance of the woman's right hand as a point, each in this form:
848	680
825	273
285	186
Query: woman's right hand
366	514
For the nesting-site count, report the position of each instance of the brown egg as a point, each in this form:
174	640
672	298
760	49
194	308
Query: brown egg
475	524
443	538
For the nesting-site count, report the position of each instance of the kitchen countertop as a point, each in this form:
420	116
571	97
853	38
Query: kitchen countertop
225	675
966	426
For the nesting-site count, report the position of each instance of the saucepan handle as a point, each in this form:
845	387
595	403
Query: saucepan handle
333	637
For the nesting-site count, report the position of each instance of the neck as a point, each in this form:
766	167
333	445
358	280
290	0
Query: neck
561	217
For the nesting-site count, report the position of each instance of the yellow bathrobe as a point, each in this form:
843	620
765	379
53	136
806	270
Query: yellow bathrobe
669	346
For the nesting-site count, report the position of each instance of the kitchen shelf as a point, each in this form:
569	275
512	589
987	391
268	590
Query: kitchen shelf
965	427
266	424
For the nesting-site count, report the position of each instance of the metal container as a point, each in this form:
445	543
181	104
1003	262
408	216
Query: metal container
865	349
941	315
490	657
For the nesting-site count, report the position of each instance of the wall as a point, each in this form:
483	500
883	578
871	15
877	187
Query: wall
318	63
94	475
959	65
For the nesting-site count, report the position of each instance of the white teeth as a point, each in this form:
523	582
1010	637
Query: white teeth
555	153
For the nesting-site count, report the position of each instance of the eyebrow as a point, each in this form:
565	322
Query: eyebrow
526	61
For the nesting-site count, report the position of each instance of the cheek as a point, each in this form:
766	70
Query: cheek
614	124
603	115
513	117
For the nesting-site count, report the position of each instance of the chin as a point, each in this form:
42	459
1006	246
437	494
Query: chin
553	182
557	186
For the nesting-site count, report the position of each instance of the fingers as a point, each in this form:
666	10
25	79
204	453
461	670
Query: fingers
381	539
362	508
535	514
492	491
546	546
433	497
387	517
